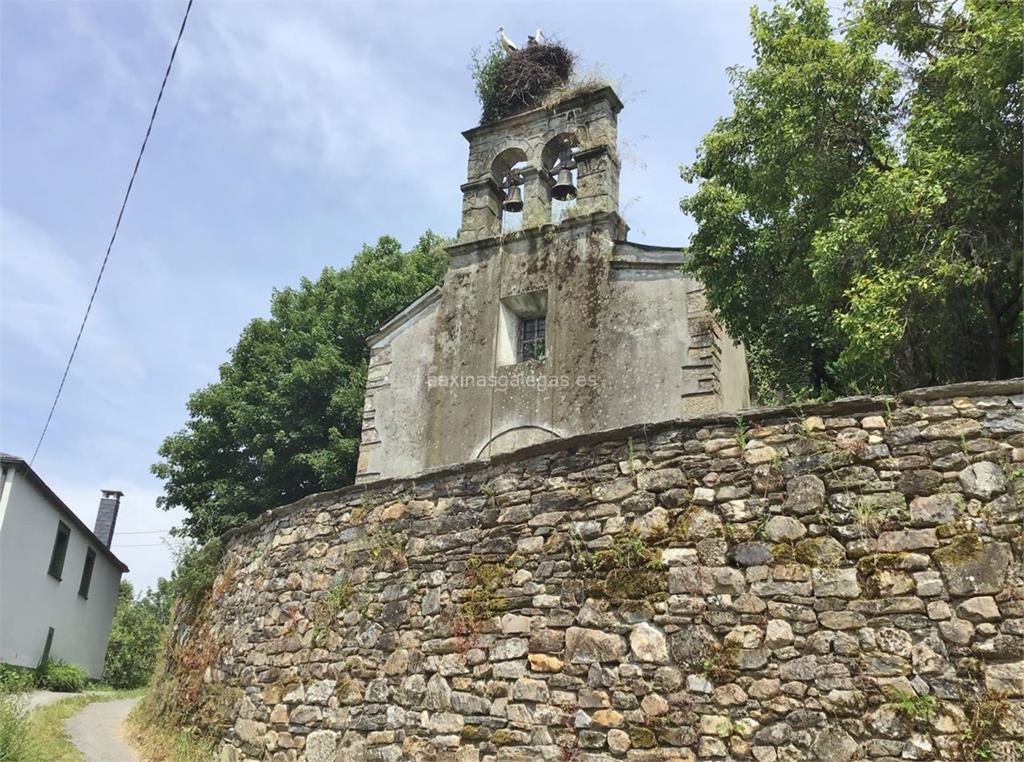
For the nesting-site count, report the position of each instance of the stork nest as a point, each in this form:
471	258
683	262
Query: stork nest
523	78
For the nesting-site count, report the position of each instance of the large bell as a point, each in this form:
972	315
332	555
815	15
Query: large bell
513	200
563	189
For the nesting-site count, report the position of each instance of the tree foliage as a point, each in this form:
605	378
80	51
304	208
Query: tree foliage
284	419
859	213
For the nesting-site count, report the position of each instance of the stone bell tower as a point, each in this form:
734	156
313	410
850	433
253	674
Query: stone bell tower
549	323
585	126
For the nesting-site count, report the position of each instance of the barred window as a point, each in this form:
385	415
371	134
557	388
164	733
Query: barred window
531	338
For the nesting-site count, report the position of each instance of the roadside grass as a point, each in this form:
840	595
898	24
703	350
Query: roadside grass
45	737
159	742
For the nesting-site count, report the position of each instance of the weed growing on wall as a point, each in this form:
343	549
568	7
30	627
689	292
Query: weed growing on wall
195	571
626	573
984	712
911	705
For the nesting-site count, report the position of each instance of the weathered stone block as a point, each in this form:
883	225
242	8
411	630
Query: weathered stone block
836	583
779	528
660	480
586	646
983	480
321	746
980	609
934	510
972	568
648	644
1006	679
907	539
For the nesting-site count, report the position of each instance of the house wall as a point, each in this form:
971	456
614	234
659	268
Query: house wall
829	583
31	600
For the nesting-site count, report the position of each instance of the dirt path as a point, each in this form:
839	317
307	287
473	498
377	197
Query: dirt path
96	731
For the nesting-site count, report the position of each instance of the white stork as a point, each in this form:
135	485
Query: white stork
537	38
506	43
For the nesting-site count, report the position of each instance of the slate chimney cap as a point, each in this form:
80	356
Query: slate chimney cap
112	493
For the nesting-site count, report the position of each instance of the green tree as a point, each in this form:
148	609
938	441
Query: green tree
160	600
284	419
134	637
859	213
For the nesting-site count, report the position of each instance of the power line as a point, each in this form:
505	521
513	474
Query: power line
146	531
149	545
113	237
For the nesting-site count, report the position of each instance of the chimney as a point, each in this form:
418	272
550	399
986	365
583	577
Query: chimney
106	518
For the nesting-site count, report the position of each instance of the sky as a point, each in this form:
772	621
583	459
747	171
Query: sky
290	134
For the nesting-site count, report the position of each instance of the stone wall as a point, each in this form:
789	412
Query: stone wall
834	583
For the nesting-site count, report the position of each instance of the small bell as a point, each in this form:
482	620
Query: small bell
513	200
563	189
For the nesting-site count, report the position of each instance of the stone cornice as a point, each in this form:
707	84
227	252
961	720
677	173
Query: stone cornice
606	93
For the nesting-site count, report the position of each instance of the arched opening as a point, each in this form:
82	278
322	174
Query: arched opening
507	169
559	161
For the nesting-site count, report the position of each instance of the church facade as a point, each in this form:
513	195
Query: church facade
549	322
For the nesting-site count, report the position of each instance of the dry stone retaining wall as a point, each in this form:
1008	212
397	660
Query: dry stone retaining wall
842	582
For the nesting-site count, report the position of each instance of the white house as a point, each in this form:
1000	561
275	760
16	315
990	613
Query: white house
58	580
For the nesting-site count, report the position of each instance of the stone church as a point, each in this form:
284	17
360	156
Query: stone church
549	322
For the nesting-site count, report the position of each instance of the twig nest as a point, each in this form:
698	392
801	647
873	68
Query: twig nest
525	77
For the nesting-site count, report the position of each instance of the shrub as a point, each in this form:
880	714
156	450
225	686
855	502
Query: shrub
15	679
134	638
59	675
13	722
486	69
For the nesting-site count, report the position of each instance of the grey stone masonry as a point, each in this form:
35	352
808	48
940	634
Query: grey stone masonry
837	582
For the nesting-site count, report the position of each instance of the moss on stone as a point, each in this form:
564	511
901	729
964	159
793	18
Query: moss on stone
959	525
484	579
628	588
641	737
784	554
627	573
504	737
962	549
875	562
475	733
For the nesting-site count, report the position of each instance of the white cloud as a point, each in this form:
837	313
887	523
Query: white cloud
308	84
43	295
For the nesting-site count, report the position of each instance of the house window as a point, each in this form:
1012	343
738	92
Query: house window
60	549
531	338
90	561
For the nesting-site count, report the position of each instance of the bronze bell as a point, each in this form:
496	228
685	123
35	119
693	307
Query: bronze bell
563	189
513	200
